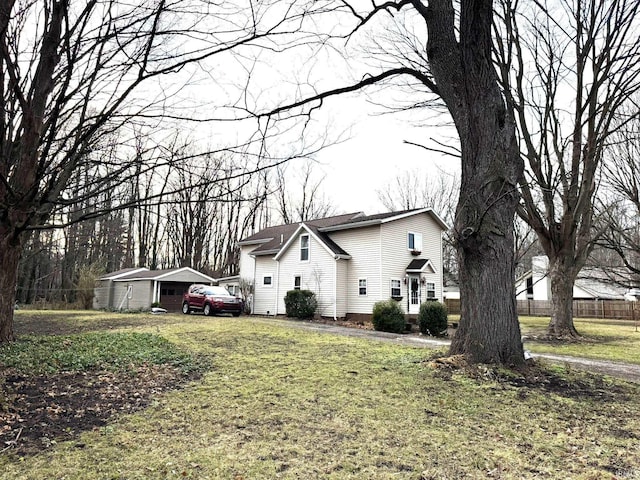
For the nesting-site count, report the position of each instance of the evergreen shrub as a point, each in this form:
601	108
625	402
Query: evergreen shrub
300	303
433	318
388	317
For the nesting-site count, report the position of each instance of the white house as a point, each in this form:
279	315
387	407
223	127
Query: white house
591	284
350	261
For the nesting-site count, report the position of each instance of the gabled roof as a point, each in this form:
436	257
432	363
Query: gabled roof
272	239
323	239
146	274
122	273
380	218
419	265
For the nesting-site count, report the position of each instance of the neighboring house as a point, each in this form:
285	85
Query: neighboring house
138	288
350	261
591	284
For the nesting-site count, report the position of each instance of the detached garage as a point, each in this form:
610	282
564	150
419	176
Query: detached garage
138	288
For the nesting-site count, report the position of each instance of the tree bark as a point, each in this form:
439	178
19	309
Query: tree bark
10	253
489	331
562	279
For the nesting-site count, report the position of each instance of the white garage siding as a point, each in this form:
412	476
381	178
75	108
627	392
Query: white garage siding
137	299
317	274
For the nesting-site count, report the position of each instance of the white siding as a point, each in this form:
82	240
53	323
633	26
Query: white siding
264	297
342	286
247	262
363	244
396	255
317	274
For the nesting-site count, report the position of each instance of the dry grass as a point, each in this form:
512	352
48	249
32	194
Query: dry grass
615	340
286	403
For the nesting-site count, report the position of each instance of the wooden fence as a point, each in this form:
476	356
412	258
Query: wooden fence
610	309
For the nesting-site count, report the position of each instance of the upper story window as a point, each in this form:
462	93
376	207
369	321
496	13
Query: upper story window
362	286
304	248
414	241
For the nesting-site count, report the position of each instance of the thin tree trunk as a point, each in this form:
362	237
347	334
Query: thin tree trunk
10	252
562	280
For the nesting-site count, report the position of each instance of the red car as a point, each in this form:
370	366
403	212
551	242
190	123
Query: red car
210	300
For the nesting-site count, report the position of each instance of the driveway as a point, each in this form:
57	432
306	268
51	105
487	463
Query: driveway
625	371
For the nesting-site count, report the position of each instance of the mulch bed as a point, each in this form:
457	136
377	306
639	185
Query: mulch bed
40	410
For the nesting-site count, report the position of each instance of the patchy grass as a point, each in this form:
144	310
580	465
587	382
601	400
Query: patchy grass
615	340
104	351
287	403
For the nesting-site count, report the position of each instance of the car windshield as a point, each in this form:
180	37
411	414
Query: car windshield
216	291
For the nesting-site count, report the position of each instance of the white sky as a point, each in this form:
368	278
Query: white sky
374	154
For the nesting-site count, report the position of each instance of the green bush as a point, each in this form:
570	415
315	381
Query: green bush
433	318
388	317
300	303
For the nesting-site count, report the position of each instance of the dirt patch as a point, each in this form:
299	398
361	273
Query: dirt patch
40	410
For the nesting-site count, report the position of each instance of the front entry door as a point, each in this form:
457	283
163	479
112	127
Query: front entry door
414	294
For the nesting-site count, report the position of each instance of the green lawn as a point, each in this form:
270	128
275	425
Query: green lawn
279	402
616	340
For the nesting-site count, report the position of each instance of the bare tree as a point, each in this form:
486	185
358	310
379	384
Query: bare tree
75	72
300	196
567	68
622	179
449	54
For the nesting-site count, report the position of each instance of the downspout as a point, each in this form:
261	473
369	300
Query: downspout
380	265
335	287
156	288
277	286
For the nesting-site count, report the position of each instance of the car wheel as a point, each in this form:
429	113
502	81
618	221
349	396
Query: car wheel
207	309
185	308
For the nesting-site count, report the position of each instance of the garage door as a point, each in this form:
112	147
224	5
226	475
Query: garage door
171	295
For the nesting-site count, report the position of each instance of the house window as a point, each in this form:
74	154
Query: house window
396	289
304	248
297	282
414	241
431	291
362	286
266	281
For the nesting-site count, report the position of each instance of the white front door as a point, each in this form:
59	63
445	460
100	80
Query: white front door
414	294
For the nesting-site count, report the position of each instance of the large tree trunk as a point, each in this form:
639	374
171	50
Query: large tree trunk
10	252
562	279
491	166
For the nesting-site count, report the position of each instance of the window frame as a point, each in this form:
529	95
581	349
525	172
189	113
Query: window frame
299	285
360	287
429	290
417	241
398	287
306	249
265	283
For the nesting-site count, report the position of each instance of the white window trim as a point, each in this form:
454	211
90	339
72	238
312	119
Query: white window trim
427	289
399	287
294	282
366	287
417	241
308	248
267	285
